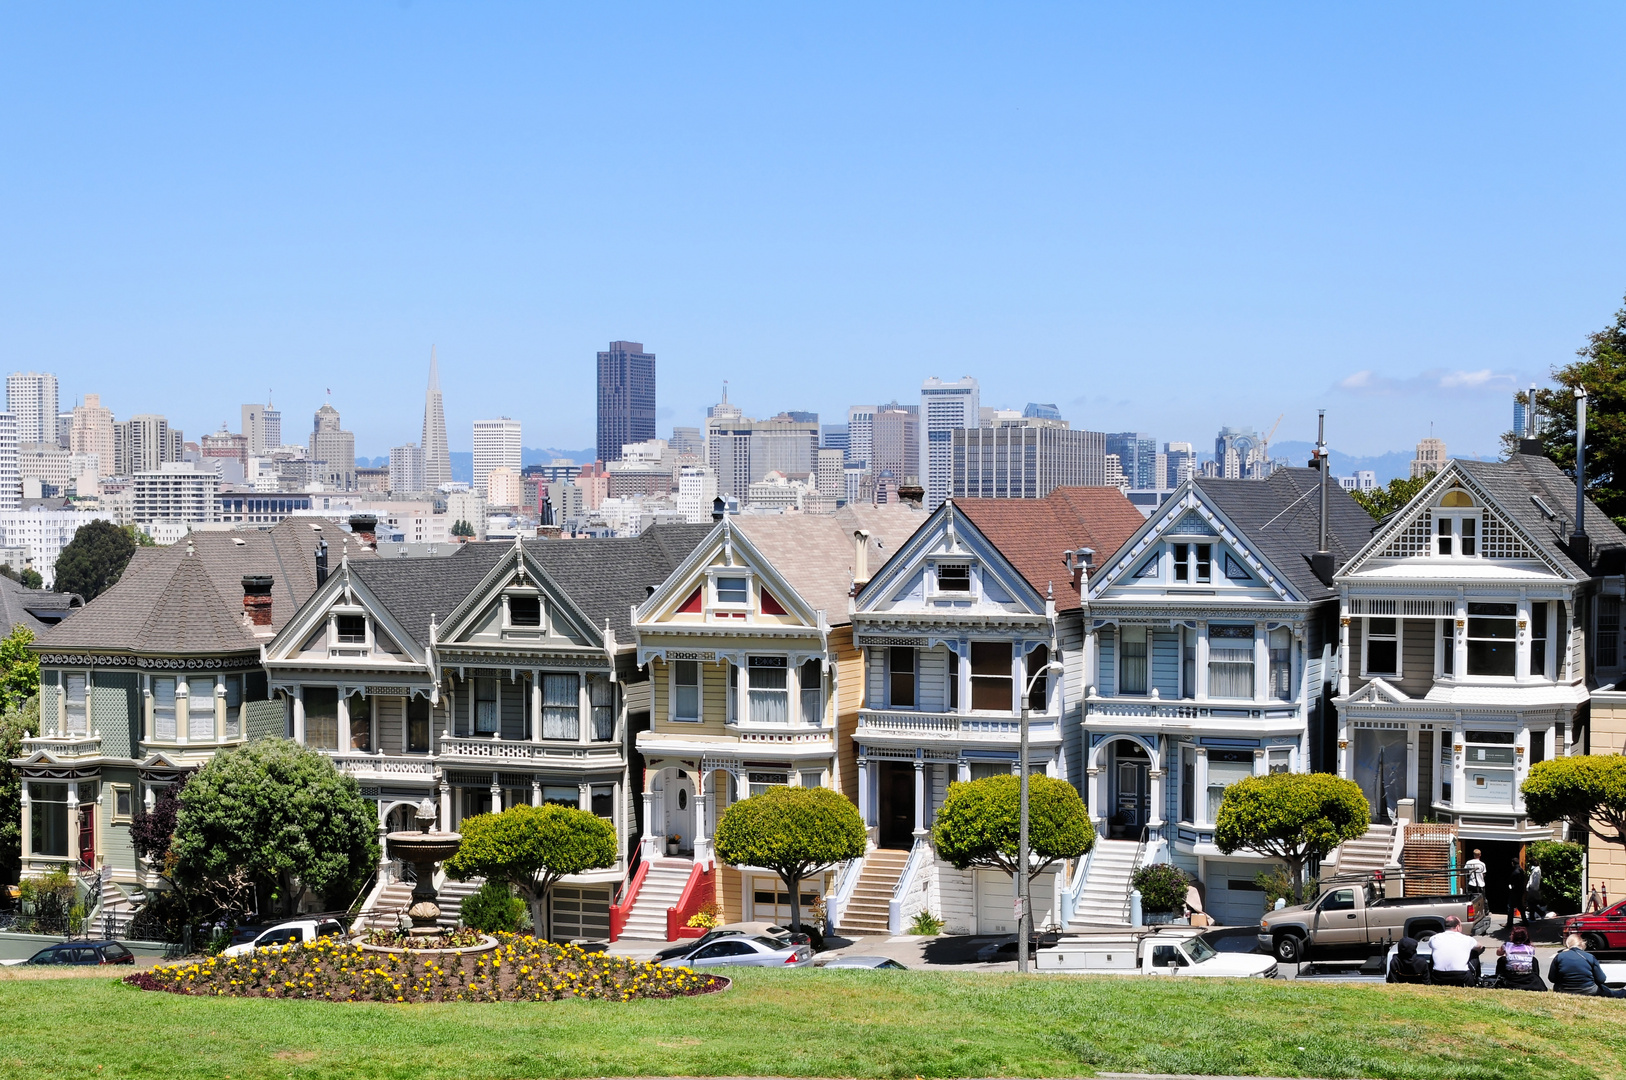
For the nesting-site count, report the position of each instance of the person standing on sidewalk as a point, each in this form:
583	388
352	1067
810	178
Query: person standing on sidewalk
1475	868
1515	891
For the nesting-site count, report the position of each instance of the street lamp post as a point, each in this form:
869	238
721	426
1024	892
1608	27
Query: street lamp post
1024	922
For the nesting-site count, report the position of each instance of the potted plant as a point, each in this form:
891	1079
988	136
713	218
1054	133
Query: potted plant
672	843
1162	892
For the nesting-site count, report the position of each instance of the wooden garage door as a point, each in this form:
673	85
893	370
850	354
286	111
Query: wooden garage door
580	913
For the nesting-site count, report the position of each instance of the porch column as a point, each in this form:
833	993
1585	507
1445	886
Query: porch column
536	791
1261	663
1458	764
1343	645
1092	782
220	708
536	707
650	842
73	822
445	823
27	821
1459	635
963	650
146	707
1090	677
344	721
962	770
863	790
1521	650
702	835
183	710
920	797
1199	788
496	794
1202	661
1411	765
1155	776
298	697
383	846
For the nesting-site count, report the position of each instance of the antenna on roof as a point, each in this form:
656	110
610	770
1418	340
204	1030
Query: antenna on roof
1321	561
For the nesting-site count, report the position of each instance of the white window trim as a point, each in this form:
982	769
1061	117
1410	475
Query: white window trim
714	604
671	693
1400	653
974	580
1456	514
113	814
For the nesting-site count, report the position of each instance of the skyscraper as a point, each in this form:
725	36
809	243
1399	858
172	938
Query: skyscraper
626	397
92	433
406	469
31	399
1025	458
437	457
895	441
337	447
11	481
860	432
943	407
496	446
144	443
262	427
1138	453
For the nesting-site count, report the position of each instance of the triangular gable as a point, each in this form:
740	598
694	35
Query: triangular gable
949	532
1378	692
1409	533
733	548
347	589
1189	513
515	567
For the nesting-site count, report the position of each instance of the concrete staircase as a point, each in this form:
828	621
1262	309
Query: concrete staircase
391	902
870	909
1366	854
662	887
1104	900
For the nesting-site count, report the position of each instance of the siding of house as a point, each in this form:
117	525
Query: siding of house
849	698
931	668
713	698
264	719
1165	674
1107	665
115	711
730	893
1417	656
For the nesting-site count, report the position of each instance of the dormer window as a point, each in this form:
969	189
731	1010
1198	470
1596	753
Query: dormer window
1193	562
1456	534
351	629
954	577
525	611
732	590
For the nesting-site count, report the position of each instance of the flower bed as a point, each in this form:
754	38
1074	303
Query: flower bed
460	940
519	969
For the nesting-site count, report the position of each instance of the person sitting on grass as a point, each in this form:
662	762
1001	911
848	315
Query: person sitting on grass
1576	971
1456	955
1516	967
1406	966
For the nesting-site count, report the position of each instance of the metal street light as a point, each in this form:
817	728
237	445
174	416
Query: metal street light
1024	922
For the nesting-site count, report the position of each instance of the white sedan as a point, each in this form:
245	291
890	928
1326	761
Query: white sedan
295	932
745	951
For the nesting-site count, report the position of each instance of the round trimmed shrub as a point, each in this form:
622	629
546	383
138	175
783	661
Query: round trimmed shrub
1162	887
493	909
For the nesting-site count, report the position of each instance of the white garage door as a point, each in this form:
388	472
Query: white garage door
1233	898
580	913
996	912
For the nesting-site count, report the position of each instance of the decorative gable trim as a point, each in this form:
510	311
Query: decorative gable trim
689	580
1377	692
340	588
950	532
1192	523
518	565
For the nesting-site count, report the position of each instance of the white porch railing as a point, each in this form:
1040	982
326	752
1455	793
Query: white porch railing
1074	887
954	726
372	766
906	882
64	746
520	752
841	891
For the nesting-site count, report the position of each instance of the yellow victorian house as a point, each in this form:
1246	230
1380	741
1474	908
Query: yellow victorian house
754	682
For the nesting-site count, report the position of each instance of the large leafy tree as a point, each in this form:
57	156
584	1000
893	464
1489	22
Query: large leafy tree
1601	368
794	831
1588	791
281	816
19	669
979	824
531	848
1294	817
15	722
94	560
1383	501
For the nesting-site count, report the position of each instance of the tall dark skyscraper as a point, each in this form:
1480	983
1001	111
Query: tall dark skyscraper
626	397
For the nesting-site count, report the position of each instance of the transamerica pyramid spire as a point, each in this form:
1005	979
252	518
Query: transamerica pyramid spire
437	460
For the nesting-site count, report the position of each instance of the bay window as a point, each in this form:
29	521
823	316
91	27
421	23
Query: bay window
163	708
762	781
1225	767
1230	661
1492	638
900	677
417	725
811	679
1382	647
1188	784
991	676
1538	639
321	717
686	690
76	702
1608	651
200	709
561	795
1281	664
361	724
48	813
234	706
561	706
1038	695
601	698
1278	759
1487	770
1132	660
767	691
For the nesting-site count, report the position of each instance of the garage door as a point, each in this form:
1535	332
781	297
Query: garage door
580	913
996	913
771	903
1233	898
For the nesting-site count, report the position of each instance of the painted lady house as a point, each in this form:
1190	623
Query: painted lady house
1207	638
755	682
1473	623
496	676
957	636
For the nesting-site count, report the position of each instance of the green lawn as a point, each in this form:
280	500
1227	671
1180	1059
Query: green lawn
828	1024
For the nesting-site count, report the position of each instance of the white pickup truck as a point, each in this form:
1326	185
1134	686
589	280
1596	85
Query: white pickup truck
1164	952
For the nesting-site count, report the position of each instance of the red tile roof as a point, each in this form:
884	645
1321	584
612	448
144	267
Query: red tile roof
1033	533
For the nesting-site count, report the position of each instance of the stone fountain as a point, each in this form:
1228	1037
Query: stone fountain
423	849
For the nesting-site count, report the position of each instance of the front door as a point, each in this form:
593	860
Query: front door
87	835
897	804
1130	806
680	811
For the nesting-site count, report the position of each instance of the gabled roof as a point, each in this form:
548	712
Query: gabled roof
412	590
1033	533
21	606
608	578
814	552
1281	517
949	527
188	597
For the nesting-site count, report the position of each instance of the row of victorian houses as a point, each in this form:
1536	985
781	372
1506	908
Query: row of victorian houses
1240	629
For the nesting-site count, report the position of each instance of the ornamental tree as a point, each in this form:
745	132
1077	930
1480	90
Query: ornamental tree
1588	791
279	818
94	560
979	824
531	848
19	668
794	831
1294	817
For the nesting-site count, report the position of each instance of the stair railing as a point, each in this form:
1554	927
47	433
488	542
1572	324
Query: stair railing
1074	889
841	893
1140	853
619	912
906	881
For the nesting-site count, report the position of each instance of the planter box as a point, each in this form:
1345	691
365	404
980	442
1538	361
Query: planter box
1160	918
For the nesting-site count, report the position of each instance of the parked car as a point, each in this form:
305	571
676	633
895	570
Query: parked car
1604	931
1184	954
294	932
80	953
878	963
1234	939
757	929
1352	915
741	950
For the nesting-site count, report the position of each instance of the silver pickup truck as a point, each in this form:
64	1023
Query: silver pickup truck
1355	914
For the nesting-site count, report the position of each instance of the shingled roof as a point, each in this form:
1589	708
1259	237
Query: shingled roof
1281	518
1033	533
608	577
1512	484
414	589
187	597
814	552
22	606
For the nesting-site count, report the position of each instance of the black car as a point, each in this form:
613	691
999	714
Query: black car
82	953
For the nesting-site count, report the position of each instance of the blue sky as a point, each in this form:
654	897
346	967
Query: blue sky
1162	218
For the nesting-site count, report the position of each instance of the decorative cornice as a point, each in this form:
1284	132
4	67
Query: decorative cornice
165	663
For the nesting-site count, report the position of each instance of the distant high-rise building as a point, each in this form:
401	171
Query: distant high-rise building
1363	480
262	427
860	432
835	437
1115	472
626	397
688	440
830	478
943	408
1239	454
64	428
406	469
496	446
31	398
505	487
92	433
1430	457
697	487
783	444
1138	453
895	441
11	482
178	491
332	444
1179	464
1025	458
145	443
228	445
437	457
1037	410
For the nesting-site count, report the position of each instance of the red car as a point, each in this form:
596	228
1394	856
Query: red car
1604	931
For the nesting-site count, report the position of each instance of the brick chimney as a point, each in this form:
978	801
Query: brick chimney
257	599
364	527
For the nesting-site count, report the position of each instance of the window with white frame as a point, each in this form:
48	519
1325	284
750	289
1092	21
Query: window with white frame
561	706
163	708
812	778
686	690
123	802
601	698
900	677
525	611
1039	694
76	702
1225	767
732	590
486	717
1279	759
1230	660
350	629
1281	664
603	801
1608	648
1448	646
1193	562
234	706
321	717
991	676
767	691
1538	639
1382	647
1132	660
953	681
1492	638
811	679
954	577
200	711
1188	784
1456	526
762	781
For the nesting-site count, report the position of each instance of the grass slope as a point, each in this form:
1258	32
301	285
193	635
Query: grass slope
828	1024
